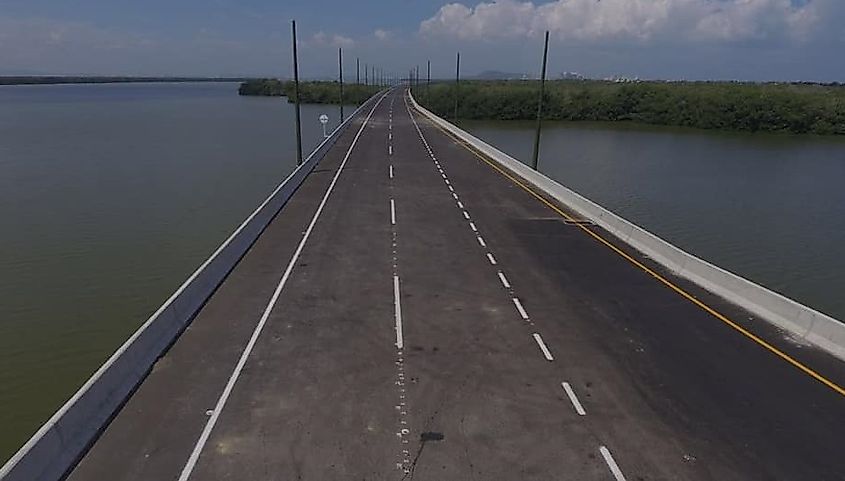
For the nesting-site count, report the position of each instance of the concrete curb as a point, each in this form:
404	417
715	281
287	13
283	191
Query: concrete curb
802	322
56	447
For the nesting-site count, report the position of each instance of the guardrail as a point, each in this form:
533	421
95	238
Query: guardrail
56	447
802	322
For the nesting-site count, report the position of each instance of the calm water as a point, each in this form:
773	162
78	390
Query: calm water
770	208
110	196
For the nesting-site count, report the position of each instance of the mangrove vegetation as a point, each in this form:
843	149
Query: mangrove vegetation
751	107
310	92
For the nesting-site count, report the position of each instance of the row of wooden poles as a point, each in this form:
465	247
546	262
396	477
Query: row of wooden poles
372	76
379	77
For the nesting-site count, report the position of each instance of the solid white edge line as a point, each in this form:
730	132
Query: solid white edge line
392	212
573	399
546	353
504	280
491	258
224	396
397	313
614	468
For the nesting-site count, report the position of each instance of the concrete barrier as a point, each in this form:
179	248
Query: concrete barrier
56	447
800	321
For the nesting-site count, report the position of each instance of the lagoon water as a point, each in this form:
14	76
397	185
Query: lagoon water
110	196
770	208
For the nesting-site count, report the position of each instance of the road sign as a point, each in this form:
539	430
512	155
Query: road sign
324	119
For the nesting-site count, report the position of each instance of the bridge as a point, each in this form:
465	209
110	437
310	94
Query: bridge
412	308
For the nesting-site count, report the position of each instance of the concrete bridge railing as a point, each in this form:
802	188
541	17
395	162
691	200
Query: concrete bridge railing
800	321
56	447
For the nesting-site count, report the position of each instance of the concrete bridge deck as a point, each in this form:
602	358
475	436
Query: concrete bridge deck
413	313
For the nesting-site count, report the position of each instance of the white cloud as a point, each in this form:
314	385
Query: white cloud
381	34
640	20
335	40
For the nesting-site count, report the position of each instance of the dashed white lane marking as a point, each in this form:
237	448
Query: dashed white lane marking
389	150
404	459
504	280
573	399
614	468
460	205
455	195
546	353
491	258
397	309
451	189
466	215
447	182
230	385
472	226
392	212
481	241
521	309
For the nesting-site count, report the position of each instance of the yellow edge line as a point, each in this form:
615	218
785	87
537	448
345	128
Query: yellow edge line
786	357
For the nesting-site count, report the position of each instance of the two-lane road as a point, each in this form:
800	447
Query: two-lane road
414	313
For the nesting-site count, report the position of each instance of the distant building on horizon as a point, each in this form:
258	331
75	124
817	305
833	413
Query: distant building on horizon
571	76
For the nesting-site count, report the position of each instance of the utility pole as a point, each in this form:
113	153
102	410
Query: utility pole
340	75
357	70
428	81
296	96
535	158
366	75
457	84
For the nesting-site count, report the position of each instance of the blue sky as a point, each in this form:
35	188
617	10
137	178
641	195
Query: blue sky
702	39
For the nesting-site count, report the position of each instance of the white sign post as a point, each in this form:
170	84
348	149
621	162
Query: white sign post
324	119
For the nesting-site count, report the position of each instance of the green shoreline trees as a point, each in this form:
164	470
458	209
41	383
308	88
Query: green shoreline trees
310	92
751	107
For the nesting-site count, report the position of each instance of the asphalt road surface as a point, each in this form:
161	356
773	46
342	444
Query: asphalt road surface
412	313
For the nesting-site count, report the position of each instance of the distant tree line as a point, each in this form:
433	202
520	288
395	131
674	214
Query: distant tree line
770	107
51	80
310	92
